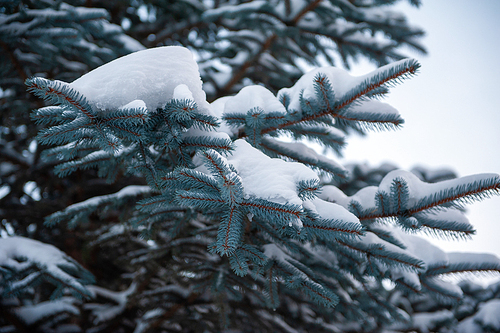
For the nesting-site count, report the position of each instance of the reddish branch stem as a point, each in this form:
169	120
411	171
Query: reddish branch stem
332	111
282	210
378	255
332	229
226	239
494	187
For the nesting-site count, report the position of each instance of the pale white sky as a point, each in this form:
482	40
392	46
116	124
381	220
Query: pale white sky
451	108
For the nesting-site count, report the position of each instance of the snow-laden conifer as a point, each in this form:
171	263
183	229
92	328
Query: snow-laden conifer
207	216
240	220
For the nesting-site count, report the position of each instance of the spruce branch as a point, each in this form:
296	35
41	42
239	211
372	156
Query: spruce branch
304	155
153	203
201	200
332	229
402	70
454	196
60	92
460	263
440	291
53	115
196	179
405	68
434	224
378	251
264	207
200	142
477	190
402	284
90	205
230	232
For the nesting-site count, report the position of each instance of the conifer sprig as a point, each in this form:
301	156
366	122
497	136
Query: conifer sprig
286	150
325	94
446	293
426	212
60	93
385	75
266	223
83	209
460	263
461	194
387	257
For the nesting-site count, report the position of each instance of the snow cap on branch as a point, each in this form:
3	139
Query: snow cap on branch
150	75
253	97
18	254
268	178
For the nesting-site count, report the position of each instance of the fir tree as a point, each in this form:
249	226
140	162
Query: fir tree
57	40
217	223
241	43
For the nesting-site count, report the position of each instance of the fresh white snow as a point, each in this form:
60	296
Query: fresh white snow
329	210
342	82
419	189
18	253
253	97
427	321
182	92
268	178
309	154
127	191
218	109
373	106
150	75
135	104
34	313
489	315
105	312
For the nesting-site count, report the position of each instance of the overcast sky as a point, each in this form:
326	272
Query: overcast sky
451	108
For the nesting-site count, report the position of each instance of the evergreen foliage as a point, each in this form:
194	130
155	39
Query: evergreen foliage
210	221
241	43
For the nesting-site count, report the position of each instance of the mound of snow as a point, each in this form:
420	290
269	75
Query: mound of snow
150	75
